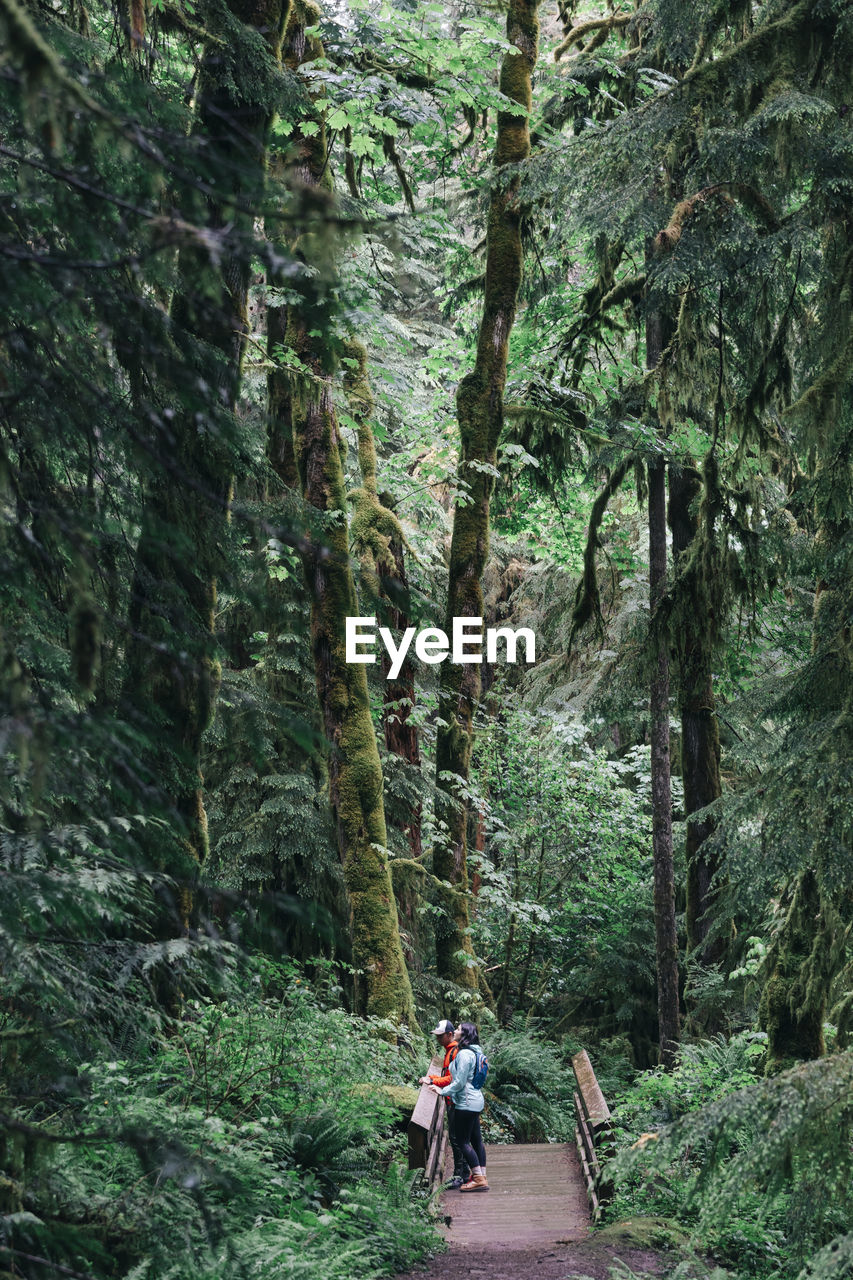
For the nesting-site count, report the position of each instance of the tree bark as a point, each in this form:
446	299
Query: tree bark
379	542
479	403
700	732
666	944
172	669
355	773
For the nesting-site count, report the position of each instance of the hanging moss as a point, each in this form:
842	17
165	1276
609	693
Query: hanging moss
598	28
764	50
793	1003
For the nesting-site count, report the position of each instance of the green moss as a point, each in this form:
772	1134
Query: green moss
793	1002
643	1233
355	773
374	530
402	1098
522	27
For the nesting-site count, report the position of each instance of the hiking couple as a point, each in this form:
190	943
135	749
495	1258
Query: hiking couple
465	1102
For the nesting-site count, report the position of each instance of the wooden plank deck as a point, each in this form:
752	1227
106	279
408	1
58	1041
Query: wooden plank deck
536	1196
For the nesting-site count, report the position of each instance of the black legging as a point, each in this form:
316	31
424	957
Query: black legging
467	1129
460	1164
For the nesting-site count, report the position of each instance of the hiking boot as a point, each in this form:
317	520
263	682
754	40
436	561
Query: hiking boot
477	1183
455	1183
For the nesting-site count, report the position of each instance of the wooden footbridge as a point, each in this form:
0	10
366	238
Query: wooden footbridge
539	1194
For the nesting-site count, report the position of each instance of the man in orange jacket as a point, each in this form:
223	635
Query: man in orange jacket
446	1035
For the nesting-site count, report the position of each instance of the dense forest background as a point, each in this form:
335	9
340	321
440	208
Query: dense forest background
536	314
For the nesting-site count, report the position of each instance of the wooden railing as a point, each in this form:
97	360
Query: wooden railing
592	1121
428	1130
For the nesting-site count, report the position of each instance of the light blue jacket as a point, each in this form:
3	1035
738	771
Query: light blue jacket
460	1091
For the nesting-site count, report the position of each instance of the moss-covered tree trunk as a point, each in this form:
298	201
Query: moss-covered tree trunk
355	772
172	669
401	737
666	942
791	1011
479	403
304	159
378	541
700	732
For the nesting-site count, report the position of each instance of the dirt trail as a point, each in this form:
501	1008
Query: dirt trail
557	1262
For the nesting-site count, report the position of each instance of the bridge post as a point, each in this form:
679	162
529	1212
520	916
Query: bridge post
427	1130
592	1132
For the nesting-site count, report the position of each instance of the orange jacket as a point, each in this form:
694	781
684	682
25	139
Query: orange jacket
445	1077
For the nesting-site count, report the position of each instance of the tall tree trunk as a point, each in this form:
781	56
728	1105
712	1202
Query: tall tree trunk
700	732
379	542
534	937
666	944
479	403
401	736
355	772
172	668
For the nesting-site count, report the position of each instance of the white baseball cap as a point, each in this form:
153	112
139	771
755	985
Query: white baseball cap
444	1028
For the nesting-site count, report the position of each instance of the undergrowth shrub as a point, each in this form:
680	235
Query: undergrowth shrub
759	1168
255	1141
704	1071
528	1090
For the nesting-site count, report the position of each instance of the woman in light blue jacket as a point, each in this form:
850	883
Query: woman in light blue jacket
468	1104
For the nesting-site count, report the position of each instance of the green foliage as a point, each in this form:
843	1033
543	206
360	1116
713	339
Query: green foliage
759	1169
529	1087
171	1106
705	1071
566	860
257	1130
